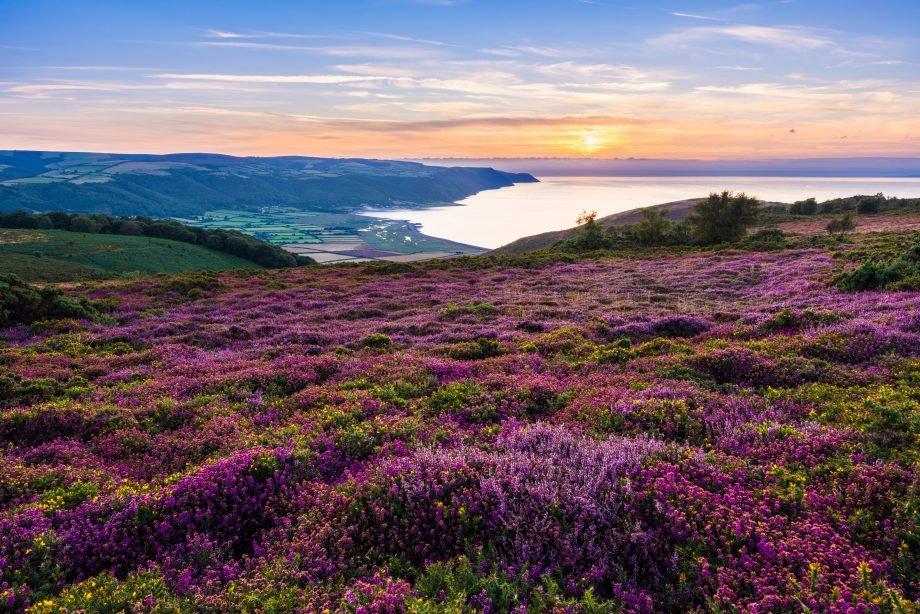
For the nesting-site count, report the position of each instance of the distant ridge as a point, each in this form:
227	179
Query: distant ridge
906	167
190	184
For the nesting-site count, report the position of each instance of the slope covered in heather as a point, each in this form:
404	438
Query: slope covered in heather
654	431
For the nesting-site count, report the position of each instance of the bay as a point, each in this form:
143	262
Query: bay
494	218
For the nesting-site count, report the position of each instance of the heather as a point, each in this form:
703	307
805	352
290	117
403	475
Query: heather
697	431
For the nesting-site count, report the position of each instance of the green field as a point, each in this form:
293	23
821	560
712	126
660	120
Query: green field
275	228
57	255
340	232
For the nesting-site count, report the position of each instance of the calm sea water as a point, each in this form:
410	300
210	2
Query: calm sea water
496	217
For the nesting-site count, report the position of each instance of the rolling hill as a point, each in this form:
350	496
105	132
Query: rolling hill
61	256
190	184
676	210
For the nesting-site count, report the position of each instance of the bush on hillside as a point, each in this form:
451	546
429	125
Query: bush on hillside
22	303
809	206
653	228
841	225
590	234
902	273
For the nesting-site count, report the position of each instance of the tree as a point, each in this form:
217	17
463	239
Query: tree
590	234
130	227
44	222
723	218
653	228
82	223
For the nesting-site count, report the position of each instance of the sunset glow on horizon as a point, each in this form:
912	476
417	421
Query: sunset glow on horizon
425	78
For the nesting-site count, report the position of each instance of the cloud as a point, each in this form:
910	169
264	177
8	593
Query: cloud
569	68
226	34
377	51
296	79
522	50
739	68
407	39
793	38
695	16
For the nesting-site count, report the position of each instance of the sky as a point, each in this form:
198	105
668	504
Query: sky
463	78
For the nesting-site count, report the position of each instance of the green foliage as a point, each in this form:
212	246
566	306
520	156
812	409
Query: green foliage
454	397
766	239
69	497
104	594
722	218
902	273
653	228
191	285
590	235
809	206
841	225
469	308
377	341
481	348
863	204
870	204
450	587
22	303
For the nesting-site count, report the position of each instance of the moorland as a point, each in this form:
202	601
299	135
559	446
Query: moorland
651	418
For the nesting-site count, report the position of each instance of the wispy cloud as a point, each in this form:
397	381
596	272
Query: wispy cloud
407	39
794	38
522	50
301	79
228	34
695	16
378	51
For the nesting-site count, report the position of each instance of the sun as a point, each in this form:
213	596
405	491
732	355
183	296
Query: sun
592	142
589	140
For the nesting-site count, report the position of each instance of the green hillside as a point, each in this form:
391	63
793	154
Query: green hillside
187	185
58	255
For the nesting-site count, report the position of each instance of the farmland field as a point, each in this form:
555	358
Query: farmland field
334	237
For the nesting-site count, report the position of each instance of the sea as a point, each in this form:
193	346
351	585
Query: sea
494	218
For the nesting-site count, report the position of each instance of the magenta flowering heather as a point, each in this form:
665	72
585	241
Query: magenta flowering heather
715	431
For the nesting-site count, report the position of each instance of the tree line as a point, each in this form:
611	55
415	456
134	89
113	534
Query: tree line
861	204
230	242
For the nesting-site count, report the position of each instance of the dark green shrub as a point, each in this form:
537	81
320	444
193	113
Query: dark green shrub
870	204
483	347
809	206
191	285
22	303
841	225
899	274
766	239
377	341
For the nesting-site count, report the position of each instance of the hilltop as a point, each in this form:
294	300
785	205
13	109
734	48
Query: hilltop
675	210
784	216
